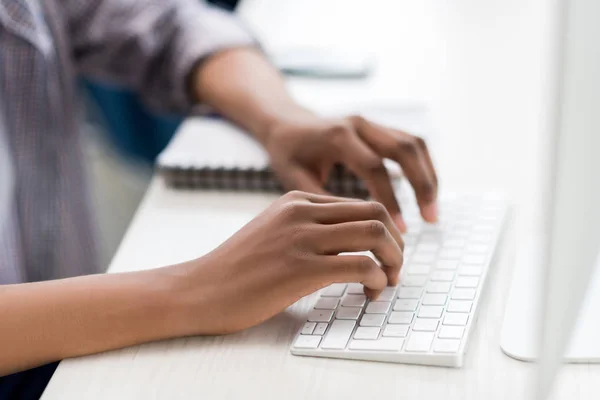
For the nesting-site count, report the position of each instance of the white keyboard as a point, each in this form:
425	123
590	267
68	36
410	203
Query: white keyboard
427	318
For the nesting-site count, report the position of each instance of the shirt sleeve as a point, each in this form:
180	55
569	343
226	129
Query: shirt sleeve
150	45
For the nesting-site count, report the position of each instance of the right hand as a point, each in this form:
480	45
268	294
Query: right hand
287	252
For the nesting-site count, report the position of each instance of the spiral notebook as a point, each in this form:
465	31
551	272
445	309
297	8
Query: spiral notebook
211	153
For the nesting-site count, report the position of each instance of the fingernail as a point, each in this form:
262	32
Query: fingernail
400	223
430	212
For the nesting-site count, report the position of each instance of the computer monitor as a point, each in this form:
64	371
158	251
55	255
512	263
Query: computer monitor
572	201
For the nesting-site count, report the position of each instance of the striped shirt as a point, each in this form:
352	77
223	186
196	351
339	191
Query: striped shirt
46	226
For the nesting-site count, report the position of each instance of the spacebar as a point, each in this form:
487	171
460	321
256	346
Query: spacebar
338	335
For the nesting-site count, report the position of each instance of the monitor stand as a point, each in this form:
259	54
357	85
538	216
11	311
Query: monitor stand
519	331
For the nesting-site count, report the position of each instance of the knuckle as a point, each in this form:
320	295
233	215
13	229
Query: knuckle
357	120
377	210
420	142
373	165
408	146
376	229
294	210
295	194
364	265
338	132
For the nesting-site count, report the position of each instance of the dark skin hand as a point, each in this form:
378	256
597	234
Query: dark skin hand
288	252
303	146
303	155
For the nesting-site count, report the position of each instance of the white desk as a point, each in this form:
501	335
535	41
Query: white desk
478	64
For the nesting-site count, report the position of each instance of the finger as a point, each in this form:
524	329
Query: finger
362	236
295	177
367	165
324	199
430	213
336	213
359	269
412	155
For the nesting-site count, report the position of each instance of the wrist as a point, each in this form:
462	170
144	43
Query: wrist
293	114
186	298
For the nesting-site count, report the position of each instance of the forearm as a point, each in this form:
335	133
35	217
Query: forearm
243	86
49	321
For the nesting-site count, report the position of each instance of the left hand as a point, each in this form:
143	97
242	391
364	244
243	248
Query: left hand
304	152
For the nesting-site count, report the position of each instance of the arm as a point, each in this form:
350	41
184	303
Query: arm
286	252
48	321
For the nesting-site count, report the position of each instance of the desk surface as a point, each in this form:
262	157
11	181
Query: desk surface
480	67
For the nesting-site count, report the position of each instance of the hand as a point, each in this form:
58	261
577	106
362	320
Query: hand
288	252
304	151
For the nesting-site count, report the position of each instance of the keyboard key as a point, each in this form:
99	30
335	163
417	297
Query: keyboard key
483	229
431	299
419	269
410	293
406	305
466	282
354	300
447	264
446	345
327	303
470	270
419	341
425	325
451	332
335	290
437	227
477	249
369	333
396	330
355	288
463	294
423	258
438	287
428	248
454	243
414	281
372	320
457	319
451	254
388	294
474	259
307	342
409	240
308	328
383	344
464	221
348	313
481	238
320	316
460	306
338	335
430	237
321	328
460	233
442	276
431	312
401	317
378	307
